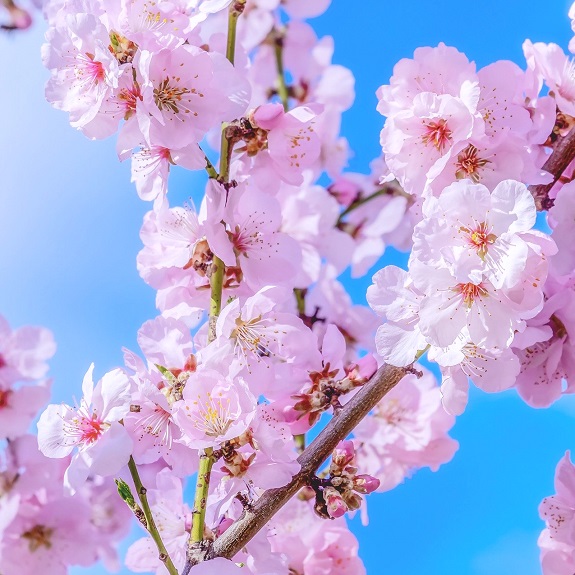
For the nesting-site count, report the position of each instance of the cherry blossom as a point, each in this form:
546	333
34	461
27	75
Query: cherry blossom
214	409
94	427
408	429
48	539
550	64
259	343
23	352
557	541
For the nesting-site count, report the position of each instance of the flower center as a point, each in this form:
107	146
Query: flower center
246	239
128	99
89	69
437	134
479	238
38	536
168	97
89	429
213	417
470	292
469	163
249	336
391	411
158	423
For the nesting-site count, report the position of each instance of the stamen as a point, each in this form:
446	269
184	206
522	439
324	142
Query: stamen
438	134
469	163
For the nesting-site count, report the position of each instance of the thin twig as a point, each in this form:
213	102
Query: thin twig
282	87
150	523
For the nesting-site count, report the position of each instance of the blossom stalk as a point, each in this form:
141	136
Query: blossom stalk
150	523
282	87
216	289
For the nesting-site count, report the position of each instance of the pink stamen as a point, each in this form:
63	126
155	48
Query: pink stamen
438	134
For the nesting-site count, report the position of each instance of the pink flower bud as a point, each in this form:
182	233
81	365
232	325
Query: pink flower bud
365	483
344	191
343	454
336	506
21	19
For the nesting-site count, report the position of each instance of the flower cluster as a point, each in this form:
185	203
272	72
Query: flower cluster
43	528
257	339
261	254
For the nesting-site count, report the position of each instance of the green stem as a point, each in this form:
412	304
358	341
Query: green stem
150	524
216	288
300	300
225	156
200	498
210	169
282	87
236	9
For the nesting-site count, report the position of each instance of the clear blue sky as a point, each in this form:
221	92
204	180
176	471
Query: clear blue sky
69	223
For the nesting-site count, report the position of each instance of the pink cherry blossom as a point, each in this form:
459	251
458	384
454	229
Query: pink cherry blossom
312	545
478	233
418	142
84	72
262	337
254	242
440	70
545	349
19	405
214	409
182	97
94	427
48	539
408	430
557	541
550	64
490	371
292	142
561	216
23	352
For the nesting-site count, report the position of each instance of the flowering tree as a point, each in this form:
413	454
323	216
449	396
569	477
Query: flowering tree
260	381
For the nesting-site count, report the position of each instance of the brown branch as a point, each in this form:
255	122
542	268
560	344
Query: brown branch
562	155
341	425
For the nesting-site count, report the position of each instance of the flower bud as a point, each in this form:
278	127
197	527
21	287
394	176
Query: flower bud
343	454
365	483
336	506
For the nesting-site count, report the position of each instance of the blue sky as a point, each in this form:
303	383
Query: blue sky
69	223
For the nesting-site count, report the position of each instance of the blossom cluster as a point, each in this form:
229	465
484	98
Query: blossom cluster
261	254
256	338
486	295
42	528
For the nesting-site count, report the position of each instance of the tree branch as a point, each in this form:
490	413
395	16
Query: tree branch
340	426
562	155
